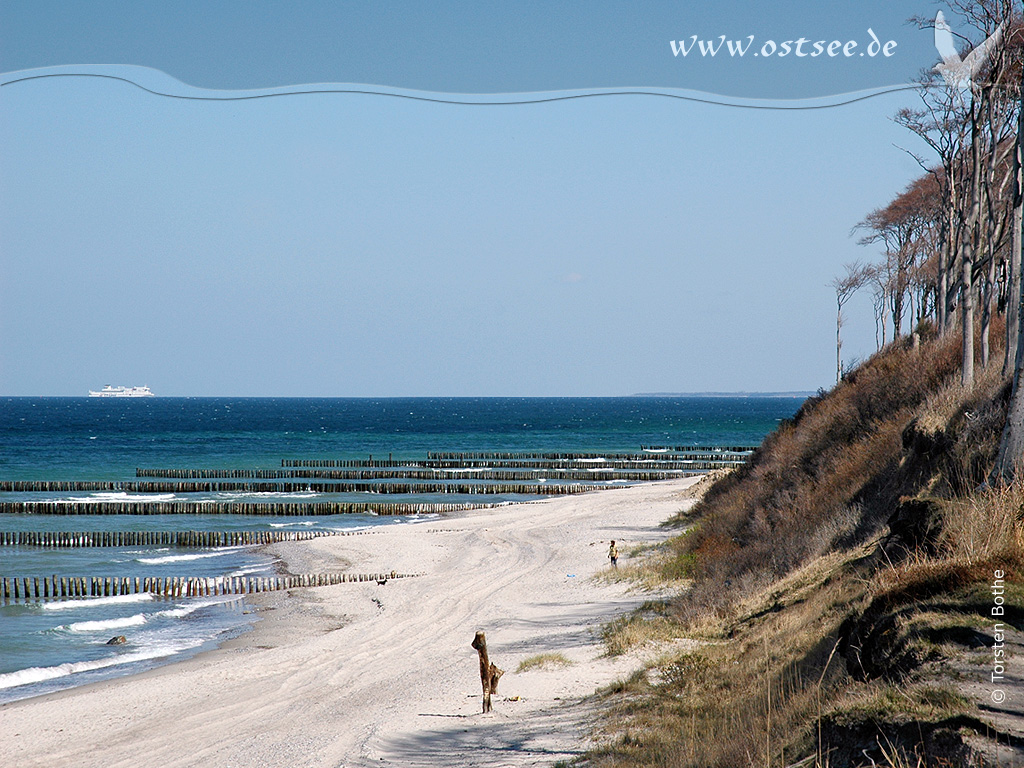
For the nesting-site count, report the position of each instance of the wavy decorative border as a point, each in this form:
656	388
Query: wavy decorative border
159	83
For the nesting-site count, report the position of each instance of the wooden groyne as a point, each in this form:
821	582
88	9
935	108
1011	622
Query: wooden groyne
322	465
188	539
33	588
682	452
699	449
591	474
136	486
482	458
256	509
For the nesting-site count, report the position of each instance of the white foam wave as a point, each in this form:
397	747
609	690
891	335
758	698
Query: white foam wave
39	674
245	494
186	558
286	525
119	496
103	624
89	602
177	613
247	571
139	619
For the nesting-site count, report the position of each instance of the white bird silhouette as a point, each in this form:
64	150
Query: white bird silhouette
956	72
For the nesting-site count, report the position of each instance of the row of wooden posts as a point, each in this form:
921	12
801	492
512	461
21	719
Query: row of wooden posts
459	459
16	589
617	462
462	488
703	448
556	464
191	539
679	453
501	475
256	509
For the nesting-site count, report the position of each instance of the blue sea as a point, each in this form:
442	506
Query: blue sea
55	644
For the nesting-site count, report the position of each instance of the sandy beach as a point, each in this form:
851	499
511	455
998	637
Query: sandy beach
363	674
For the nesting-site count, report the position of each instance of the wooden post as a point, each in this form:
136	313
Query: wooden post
489	673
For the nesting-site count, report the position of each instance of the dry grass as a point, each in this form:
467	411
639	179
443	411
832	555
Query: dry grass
785	558
980	534
829	476
762	679
985	525
647	625
544	661
648	567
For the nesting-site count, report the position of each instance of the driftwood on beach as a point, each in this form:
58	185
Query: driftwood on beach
489	673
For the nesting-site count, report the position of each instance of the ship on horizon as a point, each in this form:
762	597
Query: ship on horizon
109	391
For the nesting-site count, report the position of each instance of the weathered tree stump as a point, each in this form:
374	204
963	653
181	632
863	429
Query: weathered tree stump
489	673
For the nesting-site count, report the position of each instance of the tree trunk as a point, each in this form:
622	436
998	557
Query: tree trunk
987	304
967	323
882	316
839	344
969	251
942	291
1013	304
897	306
1011	449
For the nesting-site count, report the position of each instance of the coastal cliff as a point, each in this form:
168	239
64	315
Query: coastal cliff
856	588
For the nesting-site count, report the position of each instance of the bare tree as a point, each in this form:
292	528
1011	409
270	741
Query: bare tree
845	286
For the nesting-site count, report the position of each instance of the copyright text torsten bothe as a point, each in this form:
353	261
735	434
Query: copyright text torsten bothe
999	634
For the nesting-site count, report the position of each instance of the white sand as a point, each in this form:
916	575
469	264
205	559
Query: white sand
361	674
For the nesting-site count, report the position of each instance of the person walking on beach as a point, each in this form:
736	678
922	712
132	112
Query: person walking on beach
613	554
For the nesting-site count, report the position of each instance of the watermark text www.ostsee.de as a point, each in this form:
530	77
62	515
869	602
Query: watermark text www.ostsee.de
801	47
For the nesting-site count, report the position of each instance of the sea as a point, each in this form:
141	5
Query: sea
51	645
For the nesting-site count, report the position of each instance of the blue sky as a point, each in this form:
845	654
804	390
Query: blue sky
362	245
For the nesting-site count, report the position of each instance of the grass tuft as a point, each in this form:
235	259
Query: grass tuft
544	661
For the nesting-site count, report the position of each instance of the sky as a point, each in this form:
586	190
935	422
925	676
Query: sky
364	244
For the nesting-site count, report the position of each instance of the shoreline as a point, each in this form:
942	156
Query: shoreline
361	674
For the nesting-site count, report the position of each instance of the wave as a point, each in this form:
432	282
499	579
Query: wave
124	496
286	525
39	674
236	495
247	571
186	558
103	624
117	496
88	602
138	619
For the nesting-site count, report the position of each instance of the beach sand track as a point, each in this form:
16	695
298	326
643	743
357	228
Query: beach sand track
362	674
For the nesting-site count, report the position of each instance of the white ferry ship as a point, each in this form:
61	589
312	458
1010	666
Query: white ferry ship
109	391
